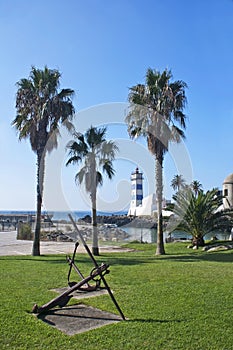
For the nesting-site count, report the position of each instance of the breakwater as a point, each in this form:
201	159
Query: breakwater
122	220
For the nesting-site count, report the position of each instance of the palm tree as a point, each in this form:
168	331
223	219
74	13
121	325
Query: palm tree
177	182
196	186
41	110
155	109
97	155
200	214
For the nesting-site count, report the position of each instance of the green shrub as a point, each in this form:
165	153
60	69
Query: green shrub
24	231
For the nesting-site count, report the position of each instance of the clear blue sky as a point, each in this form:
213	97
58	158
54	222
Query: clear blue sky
104	47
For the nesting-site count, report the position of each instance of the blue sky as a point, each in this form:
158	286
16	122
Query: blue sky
102	48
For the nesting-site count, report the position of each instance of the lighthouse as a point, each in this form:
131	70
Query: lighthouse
136	189
139	205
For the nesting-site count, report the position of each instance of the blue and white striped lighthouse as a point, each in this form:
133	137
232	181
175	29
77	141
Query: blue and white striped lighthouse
136	188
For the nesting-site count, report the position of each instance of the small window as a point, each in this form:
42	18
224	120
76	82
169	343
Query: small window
225	192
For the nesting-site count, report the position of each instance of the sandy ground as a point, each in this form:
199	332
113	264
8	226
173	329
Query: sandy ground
9	245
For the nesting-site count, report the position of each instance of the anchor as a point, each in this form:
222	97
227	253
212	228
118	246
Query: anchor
97	275
86	287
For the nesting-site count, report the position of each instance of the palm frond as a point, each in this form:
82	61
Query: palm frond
177	182
96	153
73	160
79	177
177	134
109	149
199	214
108	168
154	104
41	108
95	136
99	178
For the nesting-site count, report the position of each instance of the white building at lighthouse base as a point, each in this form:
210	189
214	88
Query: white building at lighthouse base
148	207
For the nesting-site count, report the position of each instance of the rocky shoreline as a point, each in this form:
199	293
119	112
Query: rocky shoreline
122	220
110	228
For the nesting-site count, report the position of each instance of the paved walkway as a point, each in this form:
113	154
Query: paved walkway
9	245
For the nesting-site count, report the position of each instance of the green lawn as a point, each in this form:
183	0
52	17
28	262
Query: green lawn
183	300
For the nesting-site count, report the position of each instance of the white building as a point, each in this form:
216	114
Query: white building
227	191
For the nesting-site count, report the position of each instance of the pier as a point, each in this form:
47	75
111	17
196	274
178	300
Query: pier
10	221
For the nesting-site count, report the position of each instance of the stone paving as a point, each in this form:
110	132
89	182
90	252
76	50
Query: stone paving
9	245
78	318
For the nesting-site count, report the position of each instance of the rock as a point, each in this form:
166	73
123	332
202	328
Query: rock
59	236
217	248
204	249
123	220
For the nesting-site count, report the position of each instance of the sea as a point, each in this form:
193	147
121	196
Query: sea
61	215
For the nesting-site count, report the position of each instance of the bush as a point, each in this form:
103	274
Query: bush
24	231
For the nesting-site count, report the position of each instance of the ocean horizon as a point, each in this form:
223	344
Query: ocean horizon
61	215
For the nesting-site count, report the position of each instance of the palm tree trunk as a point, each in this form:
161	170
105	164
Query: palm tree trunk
39	193
159	197
95	248
198	241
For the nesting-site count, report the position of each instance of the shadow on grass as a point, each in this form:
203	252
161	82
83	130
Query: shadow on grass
101	315
213	257
219	257
31	259
152	320
82	260
67	312
193	257
108	259
129	259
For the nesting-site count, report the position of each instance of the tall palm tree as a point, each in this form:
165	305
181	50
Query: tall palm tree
41	109
156	108
200	214
177	182
196	186
95	154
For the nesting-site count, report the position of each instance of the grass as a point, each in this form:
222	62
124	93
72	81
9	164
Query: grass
182	300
